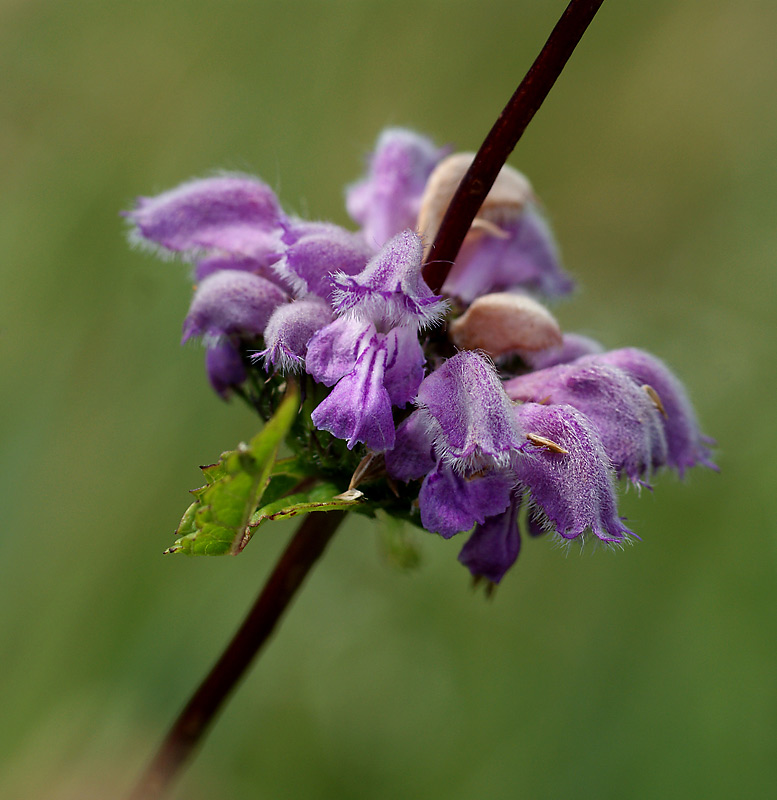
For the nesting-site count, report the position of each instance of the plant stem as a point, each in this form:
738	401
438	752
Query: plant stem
302	552
503	137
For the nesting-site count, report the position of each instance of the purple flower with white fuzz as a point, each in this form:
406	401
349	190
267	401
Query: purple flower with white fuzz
388	199
687	446
358	409
465	426
481	455
469	416
542	434
371	352
232	302
314	252
390	290
624	415
231	214
565	478
288	331
568	477
375	372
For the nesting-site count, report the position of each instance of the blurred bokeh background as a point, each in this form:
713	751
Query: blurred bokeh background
650	673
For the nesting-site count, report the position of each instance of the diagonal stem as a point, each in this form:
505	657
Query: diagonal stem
302	552
503	137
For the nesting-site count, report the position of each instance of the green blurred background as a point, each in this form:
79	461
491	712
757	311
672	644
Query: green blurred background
650	673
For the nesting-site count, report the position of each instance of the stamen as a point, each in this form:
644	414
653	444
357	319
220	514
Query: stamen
541	441
653	395
371	467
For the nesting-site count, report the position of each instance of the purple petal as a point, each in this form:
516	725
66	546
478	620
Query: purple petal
387	200
390	290
413	453
687	445
232	302
573	489
405	365
234	214
319	251
470	416
358	408
332	352
573	347
225	367
493	547
625	416
289	330
451	503
526	258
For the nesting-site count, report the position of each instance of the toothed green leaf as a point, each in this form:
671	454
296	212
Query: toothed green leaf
218	520
321	497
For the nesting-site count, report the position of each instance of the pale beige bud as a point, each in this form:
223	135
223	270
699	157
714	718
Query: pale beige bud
504	323
508	197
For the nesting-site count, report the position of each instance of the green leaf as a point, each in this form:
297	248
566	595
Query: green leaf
321	497
217	522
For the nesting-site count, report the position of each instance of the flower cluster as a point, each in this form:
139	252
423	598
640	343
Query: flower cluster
480	414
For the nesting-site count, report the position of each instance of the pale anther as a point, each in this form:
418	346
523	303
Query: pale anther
541	441
653	395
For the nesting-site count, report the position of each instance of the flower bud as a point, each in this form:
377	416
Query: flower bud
506	199
504	323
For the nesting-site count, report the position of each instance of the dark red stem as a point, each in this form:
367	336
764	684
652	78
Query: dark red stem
302	552
503	137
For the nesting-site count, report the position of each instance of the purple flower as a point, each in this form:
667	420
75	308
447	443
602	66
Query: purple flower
348	309
387	200
390	291
289	330
232	302
358	409
520	254
314	252
687	446
451	503
571	491
567	483
371	352
494	545
468	414
624	414
464	435
232	214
